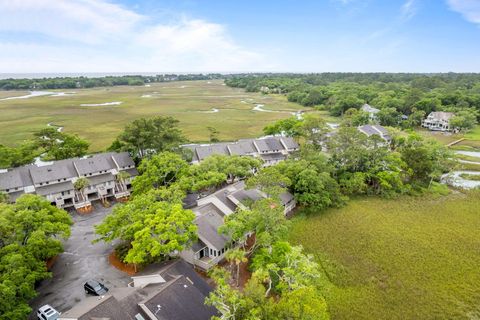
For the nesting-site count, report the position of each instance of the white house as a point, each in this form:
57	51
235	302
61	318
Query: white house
372	112
438	121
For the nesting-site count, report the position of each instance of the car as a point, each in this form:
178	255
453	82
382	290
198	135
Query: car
47	313
94	287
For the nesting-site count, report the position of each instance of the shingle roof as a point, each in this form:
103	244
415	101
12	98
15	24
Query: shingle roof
123	159
180	300
440	115
96	163
273	156
10	180
208	224
206	151
290	143
62	169
101	178
242	148
54	188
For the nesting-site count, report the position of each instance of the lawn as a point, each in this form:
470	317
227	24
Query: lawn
190	102
407	258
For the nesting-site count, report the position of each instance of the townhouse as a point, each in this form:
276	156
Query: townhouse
210	212
271	149
55	180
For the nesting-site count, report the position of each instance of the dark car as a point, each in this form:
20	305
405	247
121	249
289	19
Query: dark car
94	287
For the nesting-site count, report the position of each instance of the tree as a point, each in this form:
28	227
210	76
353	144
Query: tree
152	229
80	185
121	177
302	304
269	180
236	256
3	197
213	134
161	170
426	159
388	117
15	157
314	130
289	127
29	235
286	266
144	136
356	117
464	120
59	145
265	221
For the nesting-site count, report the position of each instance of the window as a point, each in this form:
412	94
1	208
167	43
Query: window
7	190
41	183
47	182
59	180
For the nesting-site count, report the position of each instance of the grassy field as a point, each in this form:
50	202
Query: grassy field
189	102
472	138
407	258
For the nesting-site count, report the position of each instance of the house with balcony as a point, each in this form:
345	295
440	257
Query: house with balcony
210	213
438	121
55	180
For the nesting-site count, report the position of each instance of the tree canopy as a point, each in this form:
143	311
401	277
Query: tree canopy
30	232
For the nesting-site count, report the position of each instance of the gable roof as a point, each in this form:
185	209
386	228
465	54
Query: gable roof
440	115
368	108
180	297
96	163
62	169
208	222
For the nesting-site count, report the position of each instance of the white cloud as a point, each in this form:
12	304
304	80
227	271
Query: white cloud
409	9
469	9
96	35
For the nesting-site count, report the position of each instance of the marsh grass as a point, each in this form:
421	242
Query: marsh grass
407	258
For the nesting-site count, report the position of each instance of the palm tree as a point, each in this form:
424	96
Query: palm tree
236	256
121	177
80	186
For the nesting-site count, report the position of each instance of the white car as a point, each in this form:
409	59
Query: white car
47	313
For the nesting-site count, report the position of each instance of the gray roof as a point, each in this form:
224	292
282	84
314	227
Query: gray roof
242	148
62	169
251	194
54	188
123	159
96	163
290	143
206	151
286	197
101	178
179	299
132	171
376	129
10	180
208	224
269	144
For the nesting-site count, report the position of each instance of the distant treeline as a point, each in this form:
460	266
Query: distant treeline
109	81
397	95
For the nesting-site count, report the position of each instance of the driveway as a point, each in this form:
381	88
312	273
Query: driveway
80	262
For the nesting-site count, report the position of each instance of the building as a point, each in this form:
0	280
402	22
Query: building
55	180
375	129
270	149
438	121
210	212
372	112
176	292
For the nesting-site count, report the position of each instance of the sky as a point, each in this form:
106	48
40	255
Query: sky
70	36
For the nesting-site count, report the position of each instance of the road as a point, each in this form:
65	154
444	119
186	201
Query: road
80	262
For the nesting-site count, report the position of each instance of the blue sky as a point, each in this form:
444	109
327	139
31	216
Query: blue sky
232	36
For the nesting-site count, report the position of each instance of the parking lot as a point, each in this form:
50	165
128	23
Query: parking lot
80	262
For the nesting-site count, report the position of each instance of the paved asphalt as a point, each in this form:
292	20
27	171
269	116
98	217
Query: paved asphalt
80	262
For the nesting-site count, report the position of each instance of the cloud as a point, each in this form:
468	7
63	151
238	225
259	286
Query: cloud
71	35
469	9
408	9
